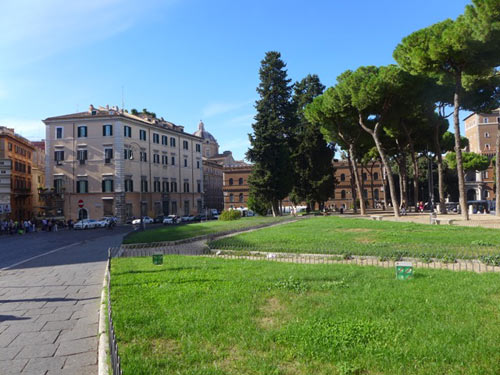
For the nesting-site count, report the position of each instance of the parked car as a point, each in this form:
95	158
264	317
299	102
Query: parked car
85	224
159	218
186	218
171	219
102	223
145	219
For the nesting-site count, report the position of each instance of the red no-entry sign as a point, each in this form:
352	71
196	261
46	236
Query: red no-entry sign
80	203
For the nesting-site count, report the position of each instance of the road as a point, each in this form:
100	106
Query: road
50	288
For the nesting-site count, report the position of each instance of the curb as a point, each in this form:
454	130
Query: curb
102	358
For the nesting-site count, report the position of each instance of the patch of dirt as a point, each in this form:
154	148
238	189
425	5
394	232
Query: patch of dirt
271	311
161	346
356	230
364	240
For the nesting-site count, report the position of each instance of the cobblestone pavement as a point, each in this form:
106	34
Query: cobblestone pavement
49	308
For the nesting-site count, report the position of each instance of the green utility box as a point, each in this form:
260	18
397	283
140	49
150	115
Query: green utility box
404	270
158	259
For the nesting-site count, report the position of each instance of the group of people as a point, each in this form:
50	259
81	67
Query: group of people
19	227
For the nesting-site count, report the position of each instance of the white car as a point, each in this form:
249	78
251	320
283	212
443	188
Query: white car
85	224
172	219
145	219
187	218
103	223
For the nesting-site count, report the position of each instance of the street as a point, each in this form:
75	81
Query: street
50	288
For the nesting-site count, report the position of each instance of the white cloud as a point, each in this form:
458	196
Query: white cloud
32	30
33	130
219	108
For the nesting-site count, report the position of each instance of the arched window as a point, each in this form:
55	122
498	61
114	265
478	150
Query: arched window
231	197
375	194
375	176
230	181
241	198
342	177
342	194
240	181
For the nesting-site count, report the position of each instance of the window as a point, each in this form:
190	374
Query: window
198	186
172	142
240	181
376	194
107	186
485	174
58	185
486	135
164	140
129	185
82	131
165	186
230	181
127	131
365	193
365	177
375	176
240	198
173	187
231	197
156	158
142	135
342	194
185	162
173	160
108	155
164	159
174	207
342	177
82	186
186	187
487	146
107	130
197	164
185	145
127	154
59	133
144	185
485	120
156	138
81	155
156	186
58	155
198	147
144	156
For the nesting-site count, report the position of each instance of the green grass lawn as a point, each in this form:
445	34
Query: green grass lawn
367	237
198	315
178	232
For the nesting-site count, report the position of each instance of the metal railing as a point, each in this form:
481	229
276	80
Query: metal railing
113	345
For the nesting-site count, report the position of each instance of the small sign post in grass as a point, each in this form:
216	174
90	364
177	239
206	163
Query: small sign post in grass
404	270
158	259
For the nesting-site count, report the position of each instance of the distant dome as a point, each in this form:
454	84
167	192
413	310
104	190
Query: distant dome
201	132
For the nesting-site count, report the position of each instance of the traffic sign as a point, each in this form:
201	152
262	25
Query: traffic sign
80	203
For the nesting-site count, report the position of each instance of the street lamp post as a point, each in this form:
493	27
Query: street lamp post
143	224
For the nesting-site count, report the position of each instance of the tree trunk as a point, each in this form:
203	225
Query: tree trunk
274	208
359	186
458	150
416	175
497	174
353	185
439	157
385	161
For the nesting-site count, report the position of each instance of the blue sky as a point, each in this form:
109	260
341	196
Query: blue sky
186	60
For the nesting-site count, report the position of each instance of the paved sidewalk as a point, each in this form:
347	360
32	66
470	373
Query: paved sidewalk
49	311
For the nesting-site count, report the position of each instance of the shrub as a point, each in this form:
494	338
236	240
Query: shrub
230	215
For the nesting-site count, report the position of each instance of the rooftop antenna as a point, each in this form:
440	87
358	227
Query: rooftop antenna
123	100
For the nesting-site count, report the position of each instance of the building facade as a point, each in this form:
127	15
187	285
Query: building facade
38	176
19	151
236	185
106	161
371	180
5	177
481	130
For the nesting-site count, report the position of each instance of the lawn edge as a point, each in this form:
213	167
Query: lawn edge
102	357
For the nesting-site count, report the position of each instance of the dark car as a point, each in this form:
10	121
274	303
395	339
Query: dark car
159	218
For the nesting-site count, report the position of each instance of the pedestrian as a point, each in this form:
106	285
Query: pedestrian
403	209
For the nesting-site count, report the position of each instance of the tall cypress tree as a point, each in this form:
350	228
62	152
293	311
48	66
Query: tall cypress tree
311	156
271	177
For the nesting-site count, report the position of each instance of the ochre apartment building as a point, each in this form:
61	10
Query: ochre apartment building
19	151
